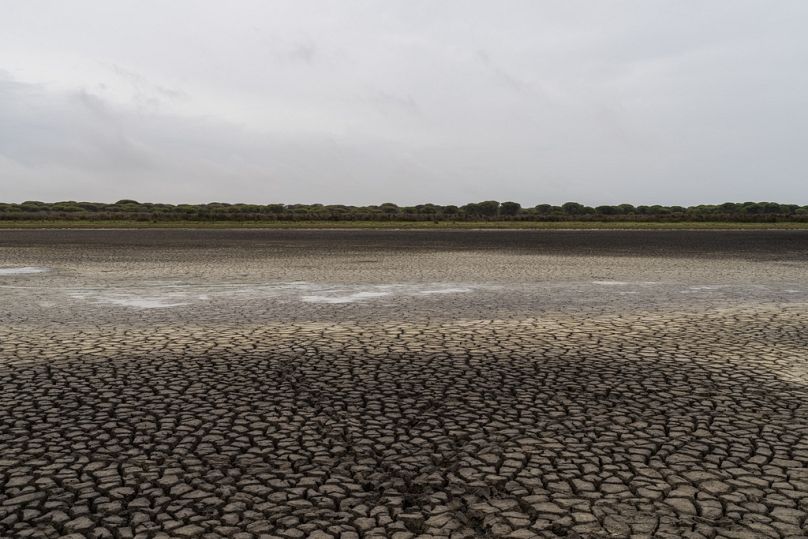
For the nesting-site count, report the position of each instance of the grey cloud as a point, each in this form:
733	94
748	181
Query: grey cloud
302	51
75	130
58	138
669	101
503	75
285	50
147	92
386	101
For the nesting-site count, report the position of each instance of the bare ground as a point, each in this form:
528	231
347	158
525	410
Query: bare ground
261	383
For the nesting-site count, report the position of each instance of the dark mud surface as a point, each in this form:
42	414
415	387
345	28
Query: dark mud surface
276	383
757	244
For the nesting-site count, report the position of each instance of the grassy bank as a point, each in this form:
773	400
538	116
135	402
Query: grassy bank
427	225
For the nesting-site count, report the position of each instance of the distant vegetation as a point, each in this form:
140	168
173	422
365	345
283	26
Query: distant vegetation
489	210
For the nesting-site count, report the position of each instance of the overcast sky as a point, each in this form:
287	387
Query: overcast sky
645	101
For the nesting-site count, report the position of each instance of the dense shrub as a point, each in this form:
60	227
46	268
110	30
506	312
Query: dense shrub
128	209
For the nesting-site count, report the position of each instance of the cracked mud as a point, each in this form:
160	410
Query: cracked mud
258	384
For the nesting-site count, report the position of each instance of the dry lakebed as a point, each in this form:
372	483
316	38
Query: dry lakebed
383	383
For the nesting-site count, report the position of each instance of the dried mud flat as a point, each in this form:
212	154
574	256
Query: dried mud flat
273	383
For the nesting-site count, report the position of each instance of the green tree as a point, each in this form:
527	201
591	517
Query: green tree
510	208
608	210
573	208
389	208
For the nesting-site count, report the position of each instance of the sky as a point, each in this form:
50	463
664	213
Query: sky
364	102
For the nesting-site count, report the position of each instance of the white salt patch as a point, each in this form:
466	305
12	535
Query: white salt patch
140	303
296	285
446	291
705	287
127	300
161	294
350	298
22	271
611	283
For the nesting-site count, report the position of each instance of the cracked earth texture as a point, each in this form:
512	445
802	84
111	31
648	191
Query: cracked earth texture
352	384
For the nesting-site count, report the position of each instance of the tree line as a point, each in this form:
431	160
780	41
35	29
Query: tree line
488	210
